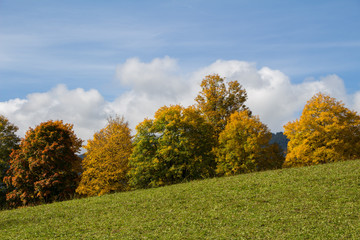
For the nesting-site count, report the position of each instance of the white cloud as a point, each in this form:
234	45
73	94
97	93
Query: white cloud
152	85
87	110
357	102
271	95
160	77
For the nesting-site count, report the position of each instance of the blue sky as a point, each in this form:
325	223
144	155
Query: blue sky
84	45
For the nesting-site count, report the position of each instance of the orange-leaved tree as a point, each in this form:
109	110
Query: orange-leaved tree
106	161
244	146
174	147
327	131
218	99
46	167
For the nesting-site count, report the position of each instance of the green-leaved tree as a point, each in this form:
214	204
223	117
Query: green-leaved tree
8	142
174	147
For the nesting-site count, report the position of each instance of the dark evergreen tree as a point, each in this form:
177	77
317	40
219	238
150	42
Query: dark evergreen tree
281	140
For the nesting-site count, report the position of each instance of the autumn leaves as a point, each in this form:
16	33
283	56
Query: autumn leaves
105	166
326	132
217	136
46	167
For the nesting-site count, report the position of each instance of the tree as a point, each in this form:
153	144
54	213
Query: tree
8	141
106	160
46	167
244	146
174	147
281	140
218	99
327	131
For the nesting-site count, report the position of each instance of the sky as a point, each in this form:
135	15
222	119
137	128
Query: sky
83	61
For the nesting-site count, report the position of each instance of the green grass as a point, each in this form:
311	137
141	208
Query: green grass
319	202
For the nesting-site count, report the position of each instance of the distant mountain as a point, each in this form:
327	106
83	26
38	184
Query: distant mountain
280	139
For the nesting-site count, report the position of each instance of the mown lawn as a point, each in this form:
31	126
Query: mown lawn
319	202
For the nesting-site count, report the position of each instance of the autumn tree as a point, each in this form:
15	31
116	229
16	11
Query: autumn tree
8	141
106	161
218	99
46	167
244	146
174	147
327	131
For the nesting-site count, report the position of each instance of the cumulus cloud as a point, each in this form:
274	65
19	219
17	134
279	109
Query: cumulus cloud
357	102
87	110
272	96
159	78
150	85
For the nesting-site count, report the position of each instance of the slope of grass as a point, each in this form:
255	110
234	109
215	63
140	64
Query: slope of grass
319	202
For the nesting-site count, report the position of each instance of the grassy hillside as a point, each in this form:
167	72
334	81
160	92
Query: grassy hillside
319	202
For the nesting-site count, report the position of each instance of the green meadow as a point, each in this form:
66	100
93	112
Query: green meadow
317	202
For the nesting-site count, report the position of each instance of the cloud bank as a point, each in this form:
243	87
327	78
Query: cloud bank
150	85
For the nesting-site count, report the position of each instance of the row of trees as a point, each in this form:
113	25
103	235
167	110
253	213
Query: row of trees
215	137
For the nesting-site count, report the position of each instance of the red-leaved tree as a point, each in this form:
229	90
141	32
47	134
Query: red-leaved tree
46	167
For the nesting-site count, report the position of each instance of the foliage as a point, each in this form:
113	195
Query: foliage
8	141
218	99
317	202
176	146
106	161
326	132
244	146
46	167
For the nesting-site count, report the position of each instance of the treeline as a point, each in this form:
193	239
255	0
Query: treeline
218	136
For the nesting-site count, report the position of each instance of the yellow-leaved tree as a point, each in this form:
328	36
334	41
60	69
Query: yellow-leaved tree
244	146
218	99
327	131
106	161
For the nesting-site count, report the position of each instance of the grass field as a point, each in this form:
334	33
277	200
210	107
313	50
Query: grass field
319	202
